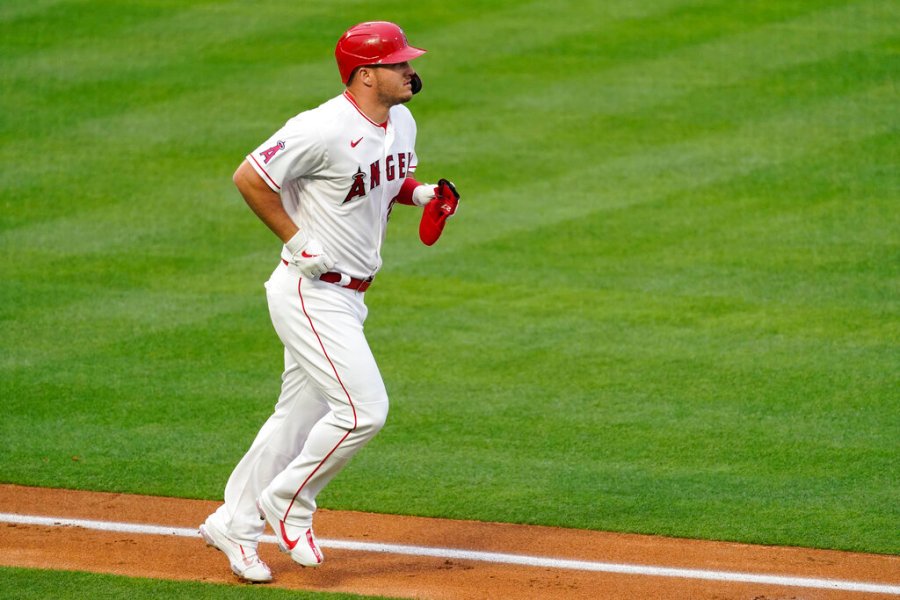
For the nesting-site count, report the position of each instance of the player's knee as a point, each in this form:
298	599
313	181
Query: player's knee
371	417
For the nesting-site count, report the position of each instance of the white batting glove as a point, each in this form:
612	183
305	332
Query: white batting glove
423	194
308	256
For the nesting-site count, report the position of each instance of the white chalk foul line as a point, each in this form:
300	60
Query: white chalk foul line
492	557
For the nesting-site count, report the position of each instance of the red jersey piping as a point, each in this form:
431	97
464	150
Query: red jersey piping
269	177
352	101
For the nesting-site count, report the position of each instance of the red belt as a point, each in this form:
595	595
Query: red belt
360	285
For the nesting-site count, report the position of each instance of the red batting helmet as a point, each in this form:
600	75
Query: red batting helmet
372	43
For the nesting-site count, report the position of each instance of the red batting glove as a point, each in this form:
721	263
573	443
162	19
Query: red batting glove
436	212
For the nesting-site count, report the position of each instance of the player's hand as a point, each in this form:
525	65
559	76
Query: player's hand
308	256
424	194
449	197
440	208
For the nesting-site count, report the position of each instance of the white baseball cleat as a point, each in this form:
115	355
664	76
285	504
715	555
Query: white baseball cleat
299	542
245	562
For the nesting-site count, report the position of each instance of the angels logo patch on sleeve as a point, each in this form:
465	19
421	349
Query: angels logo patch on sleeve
268	153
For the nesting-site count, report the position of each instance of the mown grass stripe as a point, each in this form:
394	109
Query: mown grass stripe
723	157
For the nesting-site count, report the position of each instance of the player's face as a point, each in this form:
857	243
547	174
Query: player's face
394	83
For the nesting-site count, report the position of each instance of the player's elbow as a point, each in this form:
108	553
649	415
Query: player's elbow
248	182
240	175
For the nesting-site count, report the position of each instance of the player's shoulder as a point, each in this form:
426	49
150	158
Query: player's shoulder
314	121
317	113
402	117
337	104
400	112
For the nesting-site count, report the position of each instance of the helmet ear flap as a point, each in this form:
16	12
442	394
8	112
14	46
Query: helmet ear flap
416	83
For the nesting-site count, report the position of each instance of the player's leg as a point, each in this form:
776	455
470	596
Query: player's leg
278	442
235	527
324	333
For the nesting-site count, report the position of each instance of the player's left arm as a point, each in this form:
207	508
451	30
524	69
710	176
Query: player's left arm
408	193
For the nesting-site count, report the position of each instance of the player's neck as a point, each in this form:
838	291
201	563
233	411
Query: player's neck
369	105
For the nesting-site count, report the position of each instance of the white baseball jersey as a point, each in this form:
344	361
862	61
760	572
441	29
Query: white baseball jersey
337	172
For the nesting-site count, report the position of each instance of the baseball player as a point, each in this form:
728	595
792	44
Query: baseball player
325	184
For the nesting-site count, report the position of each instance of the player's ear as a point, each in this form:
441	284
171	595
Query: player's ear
365	76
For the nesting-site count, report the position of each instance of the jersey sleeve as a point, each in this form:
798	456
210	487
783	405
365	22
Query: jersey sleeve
296	150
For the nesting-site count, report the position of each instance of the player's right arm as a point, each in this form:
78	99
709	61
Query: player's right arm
263	201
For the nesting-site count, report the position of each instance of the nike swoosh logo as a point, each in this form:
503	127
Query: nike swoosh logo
312	545
356	143
248	562
290	543
306	254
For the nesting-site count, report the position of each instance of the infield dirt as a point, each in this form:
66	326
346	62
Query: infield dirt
404	576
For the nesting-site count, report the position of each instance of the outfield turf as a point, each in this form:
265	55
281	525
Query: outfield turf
32	584
669	303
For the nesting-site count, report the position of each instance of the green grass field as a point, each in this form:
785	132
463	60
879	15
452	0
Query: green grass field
670	302
32	584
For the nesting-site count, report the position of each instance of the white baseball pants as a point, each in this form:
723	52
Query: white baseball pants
332	402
